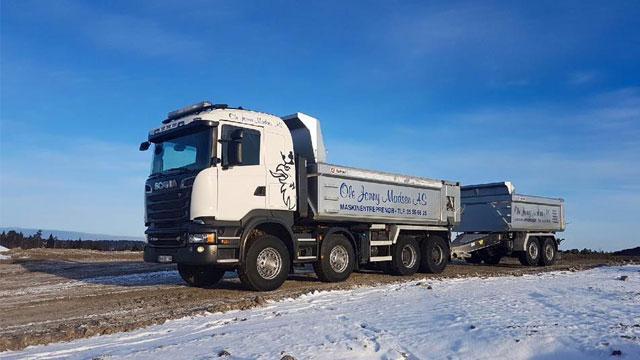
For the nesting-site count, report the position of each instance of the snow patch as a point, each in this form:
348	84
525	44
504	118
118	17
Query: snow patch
569	315
3	250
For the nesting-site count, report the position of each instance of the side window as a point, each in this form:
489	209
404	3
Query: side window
248	153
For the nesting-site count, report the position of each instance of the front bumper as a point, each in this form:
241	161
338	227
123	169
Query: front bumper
183	255
219	255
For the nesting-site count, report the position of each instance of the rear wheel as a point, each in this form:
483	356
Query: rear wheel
474	259
266	264
531	255
337	259
405	257
548	255
200	275
434	255
492	259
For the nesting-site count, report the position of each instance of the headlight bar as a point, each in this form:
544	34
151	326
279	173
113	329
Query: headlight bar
208	238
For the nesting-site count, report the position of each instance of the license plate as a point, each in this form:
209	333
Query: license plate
165	258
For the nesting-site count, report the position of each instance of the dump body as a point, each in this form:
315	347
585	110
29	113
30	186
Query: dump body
497	208
339	193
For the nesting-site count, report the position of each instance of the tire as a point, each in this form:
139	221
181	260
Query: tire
200	275
474	259
266	264
405	257
492	259
337	259
531	255
434	255
548	252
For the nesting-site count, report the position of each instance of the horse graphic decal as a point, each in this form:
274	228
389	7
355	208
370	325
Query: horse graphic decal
285	176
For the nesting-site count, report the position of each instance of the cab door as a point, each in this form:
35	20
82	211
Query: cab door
241	179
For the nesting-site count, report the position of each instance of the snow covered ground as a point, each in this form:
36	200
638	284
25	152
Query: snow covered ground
3	256
567	315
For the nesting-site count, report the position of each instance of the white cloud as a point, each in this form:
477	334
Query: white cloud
583	77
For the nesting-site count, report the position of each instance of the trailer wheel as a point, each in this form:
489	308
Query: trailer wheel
337	259
548	255
492	259
266	264
474	259
531	255
200	275
434	255
405	257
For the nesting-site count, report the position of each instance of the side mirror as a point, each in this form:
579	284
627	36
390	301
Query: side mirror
144	146
233	145
237	135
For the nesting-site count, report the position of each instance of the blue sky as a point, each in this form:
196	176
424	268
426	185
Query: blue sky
545	94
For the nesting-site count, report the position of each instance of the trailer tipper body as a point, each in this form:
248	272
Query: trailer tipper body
497	222
234	189
238	190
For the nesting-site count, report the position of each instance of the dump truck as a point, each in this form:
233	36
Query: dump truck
497	222
232	189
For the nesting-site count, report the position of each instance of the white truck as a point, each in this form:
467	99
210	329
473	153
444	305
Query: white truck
234	189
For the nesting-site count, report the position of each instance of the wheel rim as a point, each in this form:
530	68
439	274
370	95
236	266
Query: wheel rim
269	263
408	256
533	250
339	258
437	255
549	251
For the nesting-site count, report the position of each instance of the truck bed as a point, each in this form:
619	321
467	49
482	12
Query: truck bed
497	208
340	193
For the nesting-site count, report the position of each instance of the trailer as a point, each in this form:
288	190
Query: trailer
238	190
498	222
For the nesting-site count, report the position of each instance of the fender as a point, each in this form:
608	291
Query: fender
256	221
522	239
345	232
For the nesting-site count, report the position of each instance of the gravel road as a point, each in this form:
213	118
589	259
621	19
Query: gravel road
51	295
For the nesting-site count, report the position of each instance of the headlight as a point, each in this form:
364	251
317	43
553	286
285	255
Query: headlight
202	238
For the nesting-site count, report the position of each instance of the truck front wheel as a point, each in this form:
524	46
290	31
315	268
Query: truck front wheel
406	257
337	259
434	255
531	254
200	275
548	255
266	265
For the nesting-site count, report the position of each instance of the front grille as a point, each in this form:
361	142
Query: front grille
167	242
167	216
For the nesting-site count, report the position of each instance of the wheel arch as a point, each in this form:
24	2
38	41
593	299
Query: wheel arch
270	226
522	240
342	231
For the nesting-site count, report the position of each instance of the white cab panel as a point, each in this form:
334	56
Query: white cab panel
204	196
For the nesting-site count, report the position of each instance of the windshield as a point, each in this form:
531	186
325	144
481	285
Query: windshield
189	152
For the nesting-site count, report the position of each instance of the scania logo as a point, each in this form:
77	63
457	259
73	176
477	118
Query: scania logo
168	184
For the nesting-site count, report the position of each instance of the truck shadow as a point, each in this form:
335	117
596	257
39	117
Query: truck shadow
130	273
114	273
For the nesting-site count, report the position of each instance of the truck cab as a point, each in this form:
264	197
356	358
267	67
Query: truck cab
214	168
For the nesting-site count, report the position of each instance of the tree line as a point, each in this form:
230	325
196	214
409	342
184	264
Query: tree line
14	239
